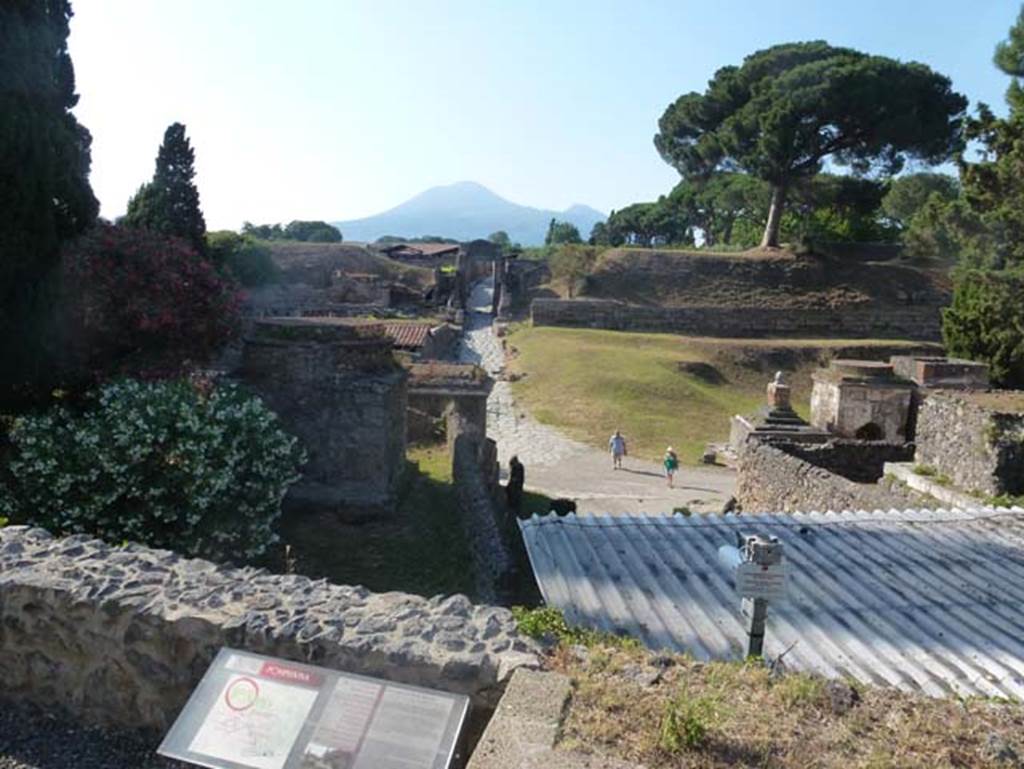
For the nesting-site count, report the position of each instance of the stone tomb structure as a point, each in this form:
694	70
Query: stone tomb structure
776	421
861	399
335	384
941	372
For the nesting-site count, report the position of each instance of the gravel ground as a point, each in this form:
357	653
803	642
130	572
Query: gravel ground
34	739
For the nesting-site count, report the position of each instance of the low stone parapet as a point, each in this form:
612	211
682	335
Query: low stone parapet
121	635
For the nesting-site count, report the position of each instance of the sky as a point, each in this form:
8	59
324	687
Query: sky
338	109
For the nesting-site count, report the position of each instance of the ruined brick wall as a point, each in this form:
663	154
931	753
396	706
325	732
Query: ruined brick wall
976	445
771	480
336	386
910	322
121	635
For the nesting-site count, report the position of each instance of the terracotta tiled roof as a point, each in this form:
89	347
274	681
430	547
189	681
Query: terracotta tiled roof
410	335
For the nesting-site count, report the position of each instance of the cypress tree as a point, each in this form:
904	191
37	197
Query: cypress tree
45	197
169	204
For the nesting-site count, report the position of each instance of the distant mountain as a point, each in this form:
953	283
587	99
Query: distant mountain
466	210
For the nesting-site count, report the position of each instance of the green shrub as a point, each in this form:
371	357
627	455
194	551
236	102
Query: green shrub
549	621
685	722
177	464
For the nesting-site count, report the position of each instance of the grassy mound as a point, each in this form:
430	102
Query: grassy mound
661	389
773	279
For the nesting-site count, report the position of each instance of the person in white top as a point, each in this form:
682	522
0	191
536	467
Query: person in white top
617	445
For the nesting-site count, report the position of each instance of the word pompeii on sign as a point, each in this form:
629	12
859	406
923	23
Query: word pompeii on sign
253	712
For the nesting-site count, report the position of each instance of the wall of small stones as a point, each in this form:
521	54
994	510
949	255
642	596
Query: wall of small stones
121	635
977	447
911	322
857	461
475	475
773	478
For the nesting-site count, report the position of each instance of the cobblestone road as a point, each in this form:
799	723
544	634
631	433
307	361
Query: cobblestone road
561	467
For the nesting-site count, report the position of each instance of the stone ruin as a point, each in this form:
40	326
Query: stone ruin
861	399
776	421
883	434
335	384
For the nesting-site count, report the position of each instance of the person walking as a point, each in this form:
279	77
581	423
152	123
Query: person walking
514	488
617	445
671	463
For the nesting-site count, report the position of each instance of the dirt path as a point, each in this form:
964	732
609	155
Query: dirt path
561	467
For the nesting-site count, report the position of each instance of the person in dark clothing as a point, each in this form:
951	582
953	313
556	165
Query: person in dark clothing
514	489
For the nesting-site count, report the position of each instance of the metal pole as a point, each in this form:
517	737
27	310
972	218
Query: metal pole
756	610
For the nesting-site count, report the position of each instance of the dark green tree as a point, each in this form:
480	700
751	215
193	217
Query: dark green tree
908	194
263	231
788	108
836	208
45	197
169	204
312	232
1009	57
986	322
722	202
561	232
986	318
600	235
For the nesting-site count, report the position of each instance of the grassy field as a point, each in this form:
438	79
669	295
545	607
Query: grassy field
420	550
590	382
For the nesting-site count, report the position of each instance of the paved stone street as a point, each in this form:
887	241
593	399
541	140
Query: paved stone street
561	467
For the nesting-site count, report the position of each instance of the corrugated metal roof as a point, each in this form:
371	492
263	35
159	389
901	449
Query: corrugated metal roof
930	601
411	335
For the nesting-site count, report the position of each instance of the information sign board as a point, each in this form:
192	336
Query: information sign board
754	580
256	712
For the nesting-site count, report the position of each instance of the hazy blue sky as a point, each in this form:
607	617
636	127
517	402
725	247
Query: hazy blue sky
333	109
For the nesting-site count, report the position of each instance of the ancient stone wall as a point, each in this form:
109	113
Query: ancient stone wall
475	474
909	322
337	386
976	440
121	635
858	461
771	479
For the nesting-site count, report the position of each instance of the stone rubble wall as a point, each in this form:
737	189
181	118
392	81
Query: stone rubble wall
857	461
920	322
475	475
977	448
121	635
770	479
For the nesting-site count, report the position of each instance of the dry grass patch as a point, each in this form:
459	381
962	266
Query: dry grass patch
669	711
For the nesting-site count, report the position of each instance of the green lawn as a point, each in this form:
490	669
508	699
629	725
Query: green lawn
591	382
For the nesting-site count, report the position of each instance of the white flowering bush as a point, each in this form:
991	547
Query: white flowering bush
197	469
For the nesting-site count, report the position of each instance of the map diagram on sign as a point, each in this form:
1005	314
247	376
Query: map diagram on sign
254	721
